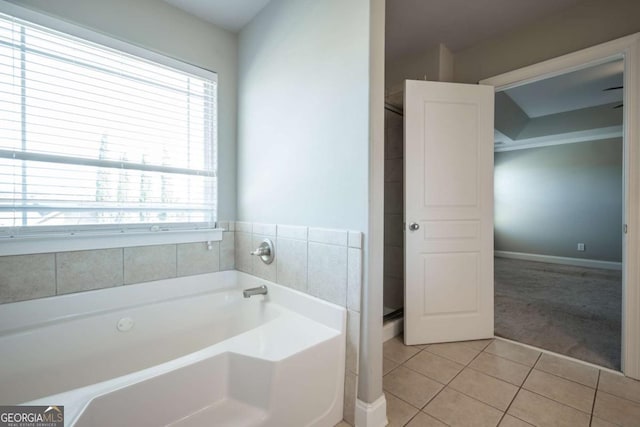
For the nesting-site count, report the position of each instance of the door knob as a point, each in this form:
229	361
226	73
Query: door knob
414	226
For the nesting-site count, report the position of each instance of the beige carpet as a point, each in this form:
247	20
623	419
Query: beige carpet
569	310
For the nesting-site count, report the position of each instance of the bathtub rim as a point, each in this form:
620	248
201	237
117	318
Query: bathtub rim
33	314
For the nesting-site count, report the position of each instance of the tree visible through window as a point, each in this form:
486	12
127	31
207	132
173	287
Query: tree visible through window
92	136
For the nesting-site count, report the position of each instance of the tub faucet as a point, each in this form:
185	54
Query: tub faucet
260	290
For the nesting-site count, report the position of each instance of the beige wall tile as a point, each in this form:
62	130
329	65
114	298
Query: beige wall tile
228	251
267	230
504	369
350	390
394	261
393	230
393	170
435	367
515	352
393	292
540	411
456	409
568	369
260	269
244	227
564	391
354	278
329	236
24	277
489	390
292	232
394	349
243	248
454	351
410	386
616	409
353	341
394	131
196	258
393	198
147	263
86	270
327	277
292	263
619	385
399	412
355	239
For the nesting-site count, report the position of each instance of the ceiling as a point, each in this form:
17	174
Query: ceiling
567	108
571	91
413	25
231	15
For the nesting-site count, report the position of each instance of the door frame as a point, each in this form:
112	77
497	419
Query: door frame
628	49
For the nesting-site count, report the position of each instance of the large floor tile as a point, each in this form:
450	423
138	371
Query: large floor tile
388	365
458	352
399	412
598	422
456	409
515	352
434	366
424	420
499	367
617	410
343	424
510	421
564	391
478	344
620	386
489	390
395	350
568	369
411	386
543	412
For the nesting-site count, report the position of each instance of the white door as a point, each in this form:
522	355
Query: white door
448	142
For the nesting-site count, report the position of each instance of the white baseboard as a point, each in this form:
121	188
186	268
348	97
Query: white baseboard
579	262
372	414
392	328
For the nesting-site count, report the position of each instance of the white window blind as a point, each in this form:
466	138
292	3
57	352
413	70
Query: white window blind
92	138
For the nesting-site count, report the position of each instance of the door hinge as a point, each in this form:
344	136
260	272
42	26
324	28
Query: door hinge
624	228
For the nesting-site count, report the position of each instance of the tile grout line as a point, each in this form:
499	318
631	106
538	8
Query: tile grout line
595	395
568	379
447	385
518	392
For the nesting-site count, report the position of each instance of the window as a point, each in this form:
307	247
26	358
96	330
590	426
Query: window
95	139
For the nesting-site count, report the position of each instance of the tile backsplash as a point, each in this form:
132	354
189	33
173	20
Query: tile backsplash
24	277
322	262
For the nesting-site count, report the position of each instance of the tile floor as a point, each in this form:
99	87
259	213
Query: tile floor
493	382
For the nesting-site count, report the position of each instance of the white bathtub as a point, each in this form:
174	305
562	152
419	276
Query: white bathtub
197	354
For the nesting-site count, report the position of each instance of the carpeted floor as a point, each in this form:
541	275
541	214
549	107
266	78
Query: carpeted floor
569	310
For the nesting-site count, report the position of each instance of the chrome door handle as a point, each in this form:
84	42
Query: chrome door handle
414	226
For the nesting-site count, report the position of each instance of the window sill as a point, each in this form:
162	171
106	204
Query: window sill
90	241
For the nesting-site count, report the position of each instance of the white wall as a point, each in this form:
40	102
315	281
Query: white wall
549	199
160	27
303	114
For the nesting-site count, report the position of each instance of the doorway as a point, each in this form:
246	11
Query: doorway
624	48
558	197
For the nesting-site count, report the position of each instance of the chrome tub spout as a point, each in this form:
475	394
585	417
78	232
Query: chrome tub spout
260	290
